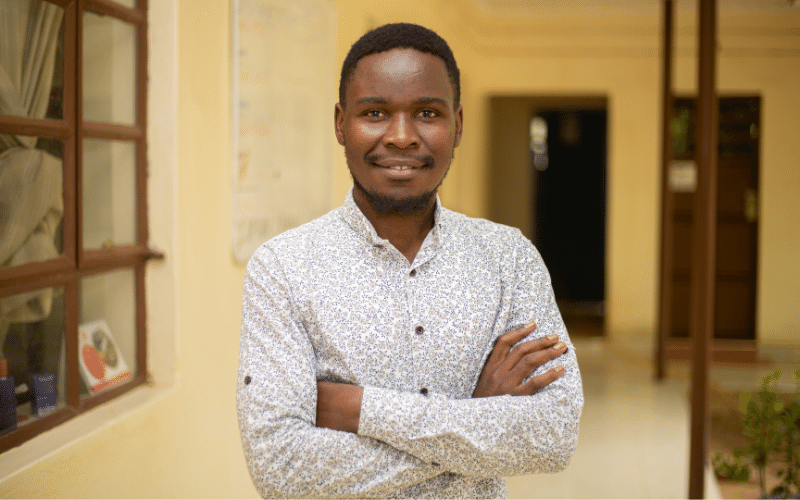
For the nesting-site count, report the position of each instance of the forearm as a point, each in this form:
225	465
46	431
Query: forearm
292	459
287	455
339	406
488	437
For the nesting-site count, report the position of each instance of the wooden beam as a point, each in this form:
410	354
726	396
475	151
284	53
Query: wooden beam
667	201
703	278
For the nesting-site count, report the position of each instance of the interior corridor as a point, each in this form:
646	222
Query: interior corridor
634	436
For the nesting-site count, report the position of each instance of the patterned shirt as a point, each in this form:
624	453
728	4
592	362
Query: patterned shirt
330	300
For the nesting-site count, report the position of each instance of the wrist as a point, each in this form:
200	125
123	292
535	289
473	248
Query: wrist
339	406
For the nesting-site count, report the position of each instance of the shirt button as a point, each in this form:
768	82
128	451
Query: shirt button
423	391
420	330
247	380
413	273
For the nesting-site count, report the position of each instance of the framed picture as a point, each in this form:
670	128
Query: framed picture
102	364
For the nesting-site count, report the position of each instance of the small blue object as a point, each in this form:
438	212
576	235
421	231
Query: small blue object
8	405
43	394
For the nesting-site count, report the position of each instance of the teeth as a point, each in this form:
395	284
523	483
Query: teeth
401	168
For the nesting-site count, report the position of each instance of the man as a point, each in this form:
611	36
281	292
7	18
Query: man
376	352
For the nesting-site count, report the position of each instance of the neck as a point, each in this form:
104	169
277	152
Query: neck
405	232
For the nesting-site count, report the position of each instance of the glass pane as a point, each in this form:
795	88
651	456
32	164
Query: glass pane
107	330
109	69
109	193
31	201
32	345
32	34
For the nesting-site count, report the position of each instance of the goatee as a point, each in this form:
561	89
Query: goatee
384	204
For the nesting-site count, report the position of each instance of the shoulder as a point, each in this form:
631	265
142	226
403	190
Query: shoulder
303	241
488	243
461	228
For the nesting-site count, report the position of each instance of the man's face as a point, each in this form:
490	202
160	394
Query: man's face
398	129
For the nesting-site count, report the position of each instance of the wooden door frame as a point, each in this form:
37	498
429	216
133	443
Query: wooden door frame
722	350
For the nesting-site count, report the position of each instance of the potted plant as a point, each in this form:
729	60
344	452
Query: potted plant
771	425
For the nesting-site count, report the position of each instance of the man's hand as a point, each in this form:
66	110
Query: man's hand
506	368
338	406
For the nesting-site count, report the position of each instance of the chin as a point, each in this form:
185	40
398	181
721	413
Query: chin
386	204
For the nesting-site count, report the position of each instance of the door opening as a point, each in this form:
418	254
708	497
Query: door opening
558	177
737	227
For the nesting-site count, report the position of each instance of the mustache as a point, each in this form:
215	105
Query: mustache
428	161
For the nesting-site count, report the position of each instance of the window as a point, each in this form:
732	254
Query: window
73	221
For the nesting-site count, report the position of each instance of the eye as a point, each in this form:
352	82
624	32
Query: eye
428	113
374	114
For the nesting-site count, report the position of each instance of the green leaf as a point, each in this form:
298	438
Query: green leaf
744	400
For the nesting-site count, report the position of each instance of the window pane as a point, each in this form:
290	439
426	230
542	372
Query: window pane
32	343
109	193
107	330
127	3
109	69
31	201
32	34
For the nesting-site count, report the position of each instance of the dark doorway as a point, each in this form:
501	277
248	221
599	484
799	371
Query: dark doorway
569	186
547	177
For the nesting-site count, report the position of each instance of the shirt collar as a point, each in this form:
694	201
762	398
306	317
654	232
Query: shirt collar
357	221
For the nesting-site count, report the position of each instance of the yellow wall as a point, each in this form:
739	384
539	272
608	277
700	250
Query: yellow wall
557	54
186	443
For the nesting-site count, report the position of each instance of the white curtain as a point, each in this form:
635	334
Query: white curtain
28	40
31	180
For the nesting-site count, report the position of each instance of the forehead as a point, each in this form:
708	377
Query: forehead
401	72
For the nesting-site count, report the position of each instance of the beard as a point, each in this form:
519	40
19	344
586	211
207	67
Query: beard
385	204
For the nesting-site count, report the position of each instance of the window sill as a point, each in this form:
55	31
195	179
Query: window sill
82	426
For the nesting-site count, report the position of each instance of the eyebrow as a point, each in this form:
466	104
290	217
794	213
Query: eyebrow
432	100
421	100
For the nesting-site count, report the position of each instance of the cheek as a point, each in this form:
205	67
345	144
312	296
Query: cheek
364	134
442	140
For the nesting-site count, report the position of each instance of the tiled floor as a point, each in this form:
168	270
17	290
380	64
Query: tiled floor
634	437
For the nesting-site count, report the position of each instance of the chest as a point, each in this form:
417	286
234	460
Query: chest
377	323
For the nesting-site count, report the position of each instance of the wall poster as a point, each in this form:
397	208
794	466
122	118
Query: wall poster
283	59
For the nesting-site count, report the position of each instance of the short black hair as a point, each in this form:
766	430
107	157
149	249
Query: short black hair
400	36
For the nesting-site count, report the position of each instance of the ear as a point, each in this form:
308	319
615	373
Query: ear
338	123
459	125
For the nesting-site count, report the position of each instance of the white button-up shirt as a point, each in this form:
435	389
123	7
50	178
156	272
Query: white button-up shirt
330	300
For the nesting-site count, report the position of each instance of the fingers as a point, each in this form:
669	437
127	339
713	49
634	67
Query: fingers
531	347
533	385
512	361
532	359
506	341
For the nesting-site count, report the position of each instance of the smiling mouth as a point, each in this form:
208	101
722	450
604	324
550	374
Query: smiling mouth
398	168
400	163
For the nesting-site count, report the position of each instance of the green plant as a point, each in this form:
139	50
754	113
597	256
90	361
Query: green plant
733	469
772	427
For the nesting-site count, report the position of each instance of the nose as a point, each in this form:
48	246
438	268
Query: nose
401	133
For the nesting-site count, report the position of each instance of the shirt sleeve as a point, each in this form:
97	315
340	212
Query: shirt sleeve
287	455
496	436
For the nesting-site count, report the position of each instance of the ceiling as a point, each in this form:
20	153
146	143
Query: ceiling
630	6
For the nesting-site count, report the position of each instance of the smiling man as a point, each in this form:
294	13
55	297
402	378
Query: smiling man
393	348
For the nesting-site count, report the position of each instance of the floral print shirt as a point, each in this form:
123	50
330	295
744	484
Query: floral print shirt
330	300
